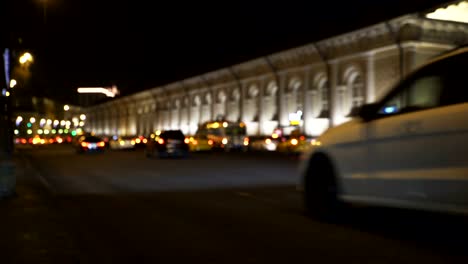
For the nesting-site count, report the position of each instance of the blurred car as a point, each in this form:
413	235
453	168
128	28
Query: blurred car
199	143
124	142
90	144
408	150
140	141
170	143
264	144
296	143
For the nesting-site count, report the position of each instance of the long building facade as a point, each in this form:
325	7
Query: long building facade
320	83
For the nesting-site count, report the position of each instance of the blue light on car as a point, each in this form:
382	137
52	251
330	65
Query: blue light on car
390	109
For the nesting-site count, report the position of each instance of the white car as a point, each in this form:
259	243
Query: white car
409	150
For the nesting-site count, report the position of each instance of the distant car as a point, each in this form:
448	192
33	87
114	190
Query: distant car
264	144
90	144
170	143
408	150
199	143
124	142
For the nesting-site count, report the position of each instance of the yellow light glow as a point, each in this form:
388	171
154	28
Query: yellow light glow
215	125
66	107
268	141
16	131
46	132
19	118
133	142
274	135
39	131
246	143
49	122
138	141
29	131
294	142
81	123
7	93
158	132
82	117
122	142
224	141
26	57
145	141
225	124
60	131
43	141
152	136
54	131
13	83
455	12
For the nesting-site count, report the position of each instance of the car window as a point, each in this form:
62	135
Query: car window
456	90
421	93
173	134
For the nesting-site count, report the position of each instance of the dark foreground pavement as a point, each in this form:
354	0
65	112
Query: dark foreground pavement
259	224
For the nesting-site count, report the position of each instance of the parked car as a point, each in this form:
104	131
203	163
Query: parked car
123	142
408	150
170	143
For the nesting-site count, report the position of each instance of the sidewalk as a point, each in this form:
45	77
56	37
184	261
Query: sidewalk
31	229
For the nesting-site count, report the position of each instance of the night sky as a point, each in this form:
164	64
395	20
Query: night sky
138	45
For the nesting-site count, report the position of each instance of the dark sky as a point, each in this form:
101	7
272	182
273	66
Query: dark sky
138	45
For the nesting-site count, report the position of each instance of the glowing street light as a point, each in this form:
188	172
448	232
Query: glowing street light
32	120
26	57
13	83
82	117
66	107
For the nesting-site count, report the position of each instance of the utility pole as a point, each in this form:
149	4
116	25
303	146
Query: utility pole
7	168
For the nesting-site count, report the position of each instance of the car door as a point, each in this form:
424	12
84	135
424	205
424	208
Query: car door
400	139
446	185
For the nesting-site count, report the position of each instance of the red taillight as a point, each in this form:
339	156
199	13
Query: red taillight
101	144
187	141
161	141
30	140
24	141
84	144
51	141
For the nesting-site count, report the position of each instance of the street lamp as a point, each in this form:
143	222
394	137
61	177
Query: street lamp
13	83
25	58
66	107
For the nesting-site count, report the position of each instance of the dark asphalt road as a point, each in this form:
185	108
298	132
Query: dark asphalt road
119	207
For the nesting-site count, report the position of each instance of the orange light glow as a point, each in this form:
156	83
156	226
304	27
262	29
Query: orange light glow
145	141
302	138
195	142
51	141
84	144
59	140
161	141
23	141
186	140
101	144
210	142
294	142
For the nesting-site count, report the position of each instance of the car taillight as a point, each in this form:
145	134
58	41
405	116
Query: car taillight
161	141
23	141
101	144
84	144
51	141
